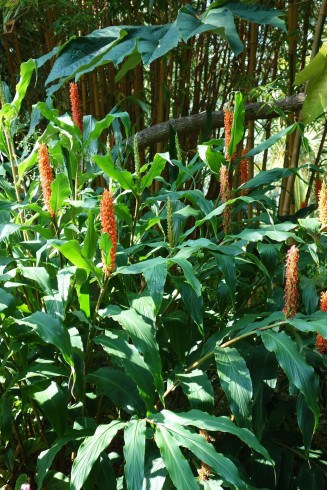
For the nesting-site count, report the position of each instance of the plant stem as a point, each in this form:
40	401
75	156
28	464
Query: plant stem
210	354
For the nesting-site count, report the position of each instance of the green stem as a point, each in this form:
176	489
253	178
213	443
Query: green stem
135	218
210	354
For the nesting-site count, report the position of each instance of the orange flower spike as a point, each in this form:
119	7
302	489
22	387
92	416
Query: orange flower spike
228	120
225	194
323	204
291	291
317	188
76	105
321	343
46	176
108	225
243	171
323	301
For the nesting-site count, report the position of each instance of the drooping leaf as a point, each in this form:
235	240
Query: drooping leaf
177	466
156	168
143	337
305	420
46	457
90	450
59	192
123	177
315	73
299	373
156	278
51	331
203	420
126	356
119	388
236	382
206	453
134	452
39	275
90	241
198	388
267	144
52	402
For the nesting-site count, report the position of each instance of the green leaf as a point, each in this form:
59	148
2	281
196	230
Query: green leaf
227	266
156	278
316	94
90	241
309	294
312	323
298	372
142	266
126	356
237	130
119	388
198	388
99	126
51	331
7	302
39	275
26	71
156	168
267	144
134	453
206	453
143	337
8	229
193	303
305	420
189	275
123	177
52	402
236	382
59	192
90	450
257	13
177	466
102	475
203	420
46	457
72	251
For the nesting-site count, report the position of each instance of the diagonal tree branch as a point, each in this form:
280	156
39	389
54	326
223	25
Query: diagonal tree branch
188	124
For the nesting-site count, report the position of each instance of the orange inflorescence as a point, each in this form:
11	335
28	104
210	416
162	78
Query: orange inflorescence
317	188
291	291
323	204
76	105
303	204
46	175
108	223
321	343
323	301
225	194
228	120
243	171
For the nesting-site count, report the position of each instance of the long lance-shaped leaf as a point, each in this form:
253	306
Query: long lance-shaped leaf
126	356
298	372
90	450
46	457
134	453
51	331
196	443
176	464
236	382
143	337
203	420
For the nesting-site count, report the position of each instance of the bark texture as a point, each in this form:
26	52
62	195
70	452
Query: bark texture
184	125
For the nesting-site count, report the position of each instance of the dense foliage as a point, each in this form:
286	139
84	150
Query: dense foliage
152	336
